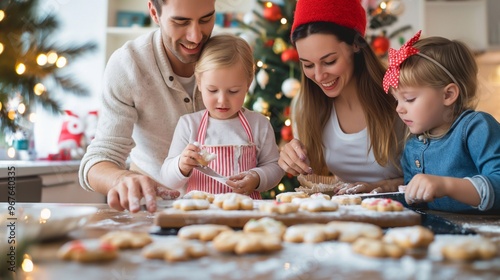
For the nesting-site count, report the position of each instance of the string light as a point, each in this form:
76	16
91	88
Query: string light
21	108
2	15
61	62
41	59
1	48
288	122
11	114
383	5
0	105
39	89
283	21
33	117
20	68
27	264
11	152
52	57
269	4
260	63
281	187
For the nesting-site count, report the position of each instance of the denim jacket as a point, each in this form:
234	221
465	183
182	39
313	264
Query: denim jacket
470	150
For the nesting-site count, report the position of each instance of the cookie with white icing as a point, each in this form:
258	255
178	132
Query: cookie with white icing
309	233
265	225
174	251
469	248
409	237
347	199
318	205
206	232
278	207
191	204
288	196
351	231
377	248
127	239
199	195
241	243
233	201
88	251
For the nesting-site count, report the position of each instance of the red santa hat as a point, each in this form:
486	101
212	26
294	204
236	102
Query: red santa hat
347	13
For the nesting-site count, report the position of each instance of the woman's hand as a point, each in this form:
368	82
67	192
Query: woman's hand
390	185
189	159
293	158
245	182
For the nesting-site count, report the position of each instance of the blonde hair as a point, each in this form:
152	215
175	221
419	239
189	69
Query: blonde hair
313	107
226	50
454	56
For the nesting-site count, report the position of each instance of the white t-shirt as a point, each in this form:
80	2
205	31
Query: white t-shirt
347	156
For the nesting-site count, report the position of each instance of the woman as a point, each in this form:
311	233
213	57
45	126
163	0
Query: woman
344	121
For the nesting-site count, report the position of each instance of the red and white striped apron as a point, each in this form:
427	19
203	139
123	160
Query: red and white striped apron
230	160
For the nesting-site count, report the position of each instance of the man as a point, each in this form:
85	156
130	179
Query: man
148	85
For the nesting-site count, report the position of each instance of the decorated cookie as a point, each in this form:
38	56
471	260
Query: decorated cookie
309	233
233	201
88	250
191	204
351	231
347	199
320	196
206	157
199	195
265	225
409	237
127	239
241	243
377	248
174	251
205	232
469	248
279	207
318	205
382	204
288	196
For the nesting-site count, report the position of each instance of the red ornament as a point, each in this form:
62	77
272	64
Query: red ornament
269	43
290	54
380	45
272	12
286	133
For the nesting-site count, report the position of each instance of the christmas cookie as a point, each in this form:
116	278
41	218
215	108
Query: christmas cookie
309	233
279	207
87	250
377	248
348	199
240	242
318	205
320	196
205	232
191	204
351	231
174	251
469	248
233	201
265	225
382	204
127	239
199	195
288	196
206	157
409	237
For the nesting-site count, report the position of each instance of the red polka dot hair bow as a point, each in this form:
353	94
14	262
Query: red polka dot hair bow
396	57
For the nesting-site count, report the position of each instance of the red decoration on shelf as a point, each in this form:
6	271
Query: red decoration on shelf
286	133
272	12
290	54
380	45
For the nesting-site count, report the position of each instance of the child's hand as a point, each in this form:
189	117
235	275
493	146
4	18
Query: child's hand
244	183
425	188
189	159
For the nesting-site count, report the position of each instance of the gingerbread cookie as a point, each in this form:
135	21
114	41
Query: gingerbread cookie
351	231
199	195
469	248
206	157
191	204
265	225
309	233
409	237
241	242
318	205
88	250
320	196
382	204
279	207
347	199
173	251
205	232
377	248
288	196
233	201
127	239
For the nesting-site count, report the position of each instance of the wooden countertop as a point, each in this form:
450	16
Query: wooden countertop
327	260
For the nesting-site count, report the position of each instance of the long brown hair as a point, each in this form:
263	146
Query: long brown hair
313	107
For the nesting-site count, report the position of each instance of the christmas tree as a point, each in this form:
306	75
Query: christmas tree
32	66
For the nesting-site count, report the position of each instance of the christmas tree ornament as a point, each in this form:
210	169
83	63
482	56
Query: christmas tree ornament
262	78
279	46
287	133
395	7
290	87
289	55
272	12
260	106
252	86
380	45
249	18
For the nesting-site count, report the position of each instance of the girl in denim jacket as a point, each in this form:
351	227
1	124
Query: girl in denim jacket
451	159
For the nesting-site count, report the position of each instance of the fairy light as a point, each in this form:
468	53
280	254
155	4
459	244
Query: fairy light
383	5
11	115
288	122
1	48
45	214
61	62
281	187
260	63
284	21
2	15
27	264
52	57
20	68
0	105
33	117
41	59
269	4
11	152
21	108
39	89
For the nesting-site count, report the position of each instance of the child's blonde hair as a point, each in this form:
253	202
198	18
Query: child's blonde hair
226	50
454	56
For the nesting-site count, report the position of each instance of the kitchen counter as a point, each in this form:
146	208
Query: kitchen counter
327	260
38	167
